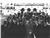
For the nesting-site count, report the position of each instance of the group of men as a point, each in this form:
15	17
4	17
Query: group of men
29	22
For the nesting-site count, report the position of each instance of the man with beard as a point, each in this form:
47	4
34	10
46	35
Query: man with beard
27	14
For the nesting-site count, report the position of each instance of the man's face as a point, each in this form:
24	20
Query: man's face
28	11
27	22
34	11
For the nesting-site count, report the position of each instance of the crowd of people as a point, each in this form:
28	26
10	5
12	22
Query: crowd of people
28	21
22	17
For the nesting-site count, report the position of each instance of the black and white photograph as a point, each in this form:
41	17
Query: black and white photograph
24	18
